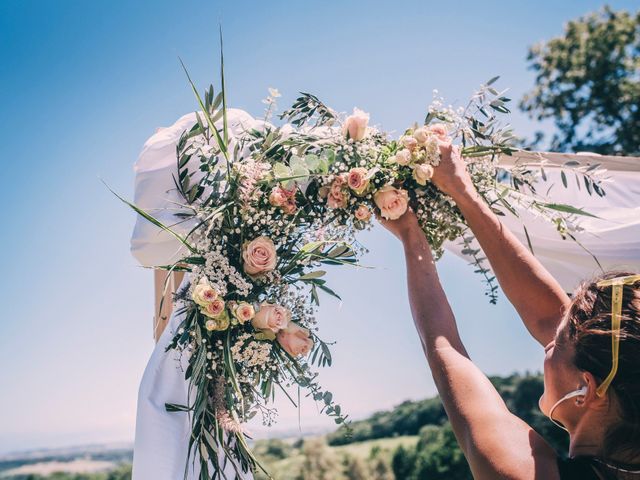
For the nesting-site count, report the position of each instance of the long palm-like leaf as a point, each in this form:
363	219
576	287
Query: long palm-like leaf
222	144
153	220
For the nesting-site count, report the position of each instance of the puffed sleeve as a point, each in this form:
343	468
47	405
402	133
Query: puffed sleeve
156	193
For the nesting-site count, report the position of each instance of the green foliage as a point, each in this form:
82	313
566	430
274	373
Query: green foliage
405	419
273	449
320	463
439	456
355	468
587	81
381	469
404	461
123	472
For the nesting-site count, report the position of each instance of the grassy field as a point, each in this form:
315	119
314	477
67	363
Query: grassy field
289	468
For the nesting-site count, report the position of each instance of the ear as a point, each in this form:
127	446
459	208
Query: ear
591	399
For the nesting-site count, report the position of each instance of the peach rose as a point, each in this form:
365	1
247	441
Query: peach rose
220	323
337	200
203	293
422	134
403	157
323	192
278	197
355	125
363	213
357	180
408	142
295	340
244	312
271	317
213	309
211	325
423	173
391	201
440	130
259	256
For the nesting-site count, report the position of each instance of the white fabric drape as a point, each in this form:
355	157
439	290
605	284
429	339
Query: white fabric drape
613	238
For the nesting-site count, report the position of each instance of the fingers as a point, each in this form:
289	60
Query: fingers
446	149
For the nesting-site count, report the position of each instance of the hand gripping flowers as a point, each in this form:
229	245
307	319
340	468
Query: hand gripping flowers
273	212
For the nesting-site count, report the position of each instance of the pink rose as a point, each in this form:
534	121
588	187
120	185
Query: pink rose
355	125
391	201
337	200
403	157
259	256
339	183
363	213
295	340
290	206
244	312
213	309
271	317
278	197
291	193
423	173
409	142
440	130
357	180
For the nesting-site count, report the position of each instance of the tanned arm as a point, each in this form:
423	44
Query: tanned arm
536	295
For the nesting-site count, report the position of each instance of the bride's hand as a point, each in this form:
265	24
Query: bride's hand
404	226
451	176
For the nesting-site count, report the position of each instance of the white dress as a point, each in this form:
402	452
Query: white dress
161	441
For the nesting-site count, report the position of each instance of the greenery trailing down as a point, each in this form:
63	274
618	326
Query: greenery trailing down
587	82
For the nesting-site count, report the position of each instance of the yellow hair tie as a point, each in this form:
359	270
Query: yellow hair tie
616	285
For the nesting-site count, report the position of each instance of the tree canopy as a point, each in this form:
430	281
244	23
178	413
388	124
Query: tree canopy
588	82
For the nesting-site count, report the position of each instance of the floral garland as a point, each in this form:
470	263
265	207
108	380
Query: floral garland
273	206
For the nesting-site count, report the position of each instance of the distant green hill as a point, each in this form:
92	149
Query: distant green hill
520	392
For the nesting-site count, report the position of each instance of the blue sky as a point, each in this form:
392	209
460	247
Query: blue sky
83	84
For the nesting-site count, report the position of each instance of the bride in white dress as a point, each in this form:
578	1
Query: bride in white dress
162	438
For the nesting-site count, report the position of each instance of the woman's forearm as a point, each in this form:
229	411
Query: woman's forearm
431	312
536	295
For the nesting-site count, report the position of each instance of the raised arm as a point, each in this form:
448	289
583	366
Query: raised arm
496	443
536	295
